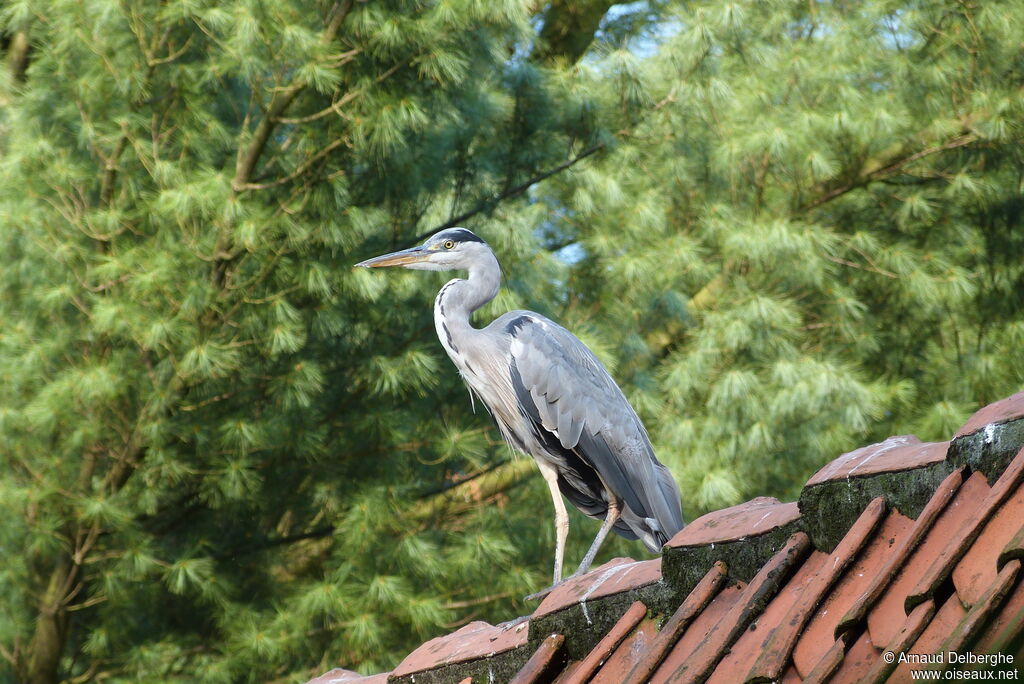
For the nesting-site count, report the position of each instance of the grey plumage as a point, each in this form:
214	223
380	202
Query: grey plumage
551	398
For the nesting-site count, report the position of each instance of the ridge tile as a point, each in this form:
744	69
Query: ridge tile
990	438
473	642
744	537
903	470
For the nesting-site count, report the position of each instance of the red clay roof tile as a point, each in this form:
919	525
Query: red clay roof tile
674	627
790	676
901	547
824	627
805	614
953	551
978	568
340	676
942	624
856	662
545	663
802	596
887	614
905	452
744	537
750	519
909	631
625	657
761	638
1001	411
1013	549
472	642
614	577
755	596
1007	625
829	662
569	674
967	631
705	621
600	653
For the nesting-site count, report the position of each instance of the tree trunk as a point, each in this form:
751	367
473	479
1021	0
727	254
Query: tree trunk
44	651
569	28
17	55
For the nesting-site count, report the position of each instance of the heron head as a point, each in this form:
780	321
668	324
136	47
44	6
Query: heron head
447	250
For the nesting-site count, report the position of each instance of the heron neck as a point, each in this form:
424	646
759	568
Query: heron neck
461	297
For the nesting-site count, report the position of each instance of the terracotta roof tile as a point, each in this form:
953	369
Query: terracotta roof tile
676	625
755	643
614	577
1007	625
1013	549
943	563
755	596
900	547
978	568
824	627
968	629
475	641
546	662
829	662
590	605
790	676
991	438
340	676
904	452
744	537
767	591
942	624
886	615
909	631
714	613
1002	411
856	662
751	519
625	657
902	470
585	669
796	603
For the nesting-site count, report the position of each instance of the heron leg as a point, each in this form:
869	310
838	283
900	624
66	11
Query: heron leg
610	518
561	516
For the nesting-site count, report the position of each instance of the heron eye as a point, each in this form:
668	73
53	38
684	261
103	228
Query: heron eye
448	244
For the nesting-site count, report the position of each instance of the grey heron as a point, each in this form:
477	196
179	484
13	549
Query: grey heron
550	398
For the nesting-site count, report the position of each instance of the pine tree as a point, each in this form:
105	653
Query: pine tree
788	228
228	452
813	231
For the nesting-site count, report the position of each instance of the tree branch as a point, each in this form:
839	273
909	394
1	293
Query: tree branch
472	493
250	155
511	192
299	170
889	167
318	533
458	498
469	478
110	171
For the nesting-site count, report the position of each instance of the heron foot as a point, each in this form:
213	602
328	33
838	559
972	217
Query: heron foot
543	592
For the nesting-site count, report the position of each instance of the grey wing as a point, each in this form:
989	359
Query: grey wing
571	398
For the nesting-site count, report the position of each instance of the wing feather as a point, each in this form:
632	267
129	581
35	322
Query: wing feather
566	391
